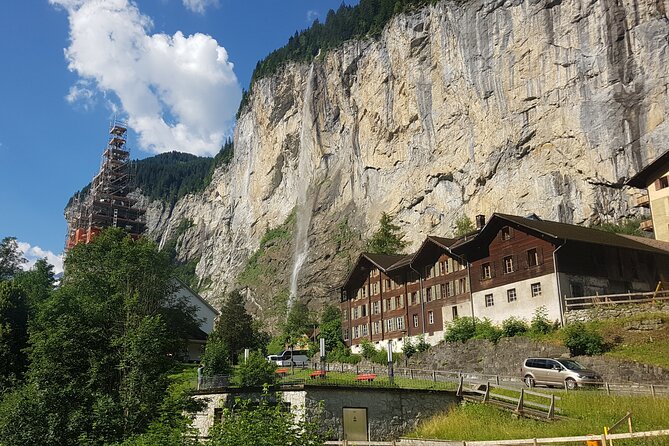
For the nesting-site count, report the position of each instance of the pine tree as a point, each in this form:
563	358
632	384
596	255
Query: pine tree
388	239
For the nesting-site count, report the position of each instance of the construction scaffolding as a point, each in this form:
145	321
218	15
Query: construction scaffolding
107	203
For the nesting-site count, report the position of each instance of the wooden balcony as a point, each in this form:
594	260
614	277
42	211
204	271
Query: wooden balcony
646	225
642	201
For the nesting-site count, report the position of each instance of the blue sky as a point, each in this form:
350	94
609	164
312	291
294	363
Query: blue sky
174	68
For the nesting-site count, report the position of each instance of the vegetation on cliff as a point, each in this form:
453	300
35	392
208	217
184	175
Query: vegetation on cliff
366	19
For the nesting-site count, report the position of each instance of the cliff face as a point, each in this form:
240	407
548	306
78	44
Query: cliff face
542	106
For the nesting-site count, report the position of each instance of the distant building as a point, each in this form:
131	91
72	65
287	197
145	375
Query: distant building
655	179
205	313
510	266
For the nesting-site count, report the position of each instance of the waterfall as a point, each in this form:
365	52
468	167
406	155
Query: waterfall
305	201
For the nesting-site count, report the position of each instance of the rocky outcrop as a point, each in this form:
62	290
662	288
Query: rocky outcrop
516	106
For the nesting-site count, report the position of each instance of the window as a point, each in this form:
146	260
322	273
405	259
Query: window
449	289
364	291
508	264
442	268
415	321
345	331
662	183
506	233
344	315
398	302
363	311
532	257
376	307
430	317
486	271
389	285
511	295
375	288
454	311
536	289
489	301
365	330
390	324
414	298
428	294
356	332
463	285
400	323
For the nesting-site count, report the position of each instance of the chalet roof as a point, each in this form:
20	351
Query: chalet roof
651	172
559	231
384	262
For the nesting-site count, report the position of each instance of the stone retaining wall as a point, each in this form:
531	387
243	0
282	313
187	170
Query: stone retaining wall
614	311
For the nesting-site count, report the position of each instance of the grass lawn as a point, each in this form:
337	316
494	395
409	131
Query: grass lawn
588	413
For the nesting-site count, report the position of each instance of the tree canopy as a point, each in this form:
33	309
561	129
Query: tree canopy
388	239
11	258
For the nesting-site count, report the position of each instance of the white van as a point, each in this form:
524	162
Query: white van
296	357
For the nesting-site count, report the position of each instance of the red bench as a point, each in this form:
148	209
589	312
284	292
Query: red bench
317	374
369	377
282	372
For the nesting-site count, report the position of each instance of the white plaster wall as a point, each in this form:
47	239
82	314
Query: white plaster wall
464	310
297	401
203	311
398	344
524	306
659	207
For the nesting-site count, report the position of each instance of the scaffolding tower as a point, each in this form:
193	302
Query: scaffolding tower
107	203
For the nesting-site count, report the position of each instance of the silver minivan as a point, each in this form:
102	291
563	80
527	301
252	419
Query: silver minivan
558	372
295	357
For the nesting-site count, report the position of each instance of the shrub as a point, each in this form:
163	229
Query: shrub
460	329
582	339
540	323
368	349
216	358
408	348
485	329
422	345
514	327
256	371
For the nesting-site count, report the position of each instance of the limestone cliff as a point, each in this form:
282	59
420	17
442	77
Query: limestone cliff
516	106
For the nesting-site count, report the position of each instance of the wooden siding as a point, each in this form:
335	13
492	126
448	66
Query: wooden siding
516	247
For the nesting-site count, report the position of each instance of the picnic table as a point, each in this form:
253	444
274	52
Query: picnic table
317	374
282	372
369	377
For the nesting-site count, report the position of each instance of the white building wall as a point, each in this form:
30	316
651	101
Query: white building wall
203	311
464	310
525	306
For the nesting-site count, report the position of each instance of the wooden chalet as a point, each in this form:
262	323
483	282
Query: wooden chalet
511	266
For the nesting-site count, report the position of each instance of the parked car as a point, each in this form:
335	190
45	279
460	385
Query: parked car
558	372
296	357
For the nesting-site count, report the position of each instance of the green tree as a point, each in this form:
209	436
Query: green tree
269	423
101	345
216	358
255	371
235	328
330	329
463	225
13	333
629	226
38	282
298	322
388	239
11	258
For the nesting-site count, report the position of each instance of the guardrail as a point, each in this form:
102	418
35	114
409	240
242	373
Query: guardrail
584	302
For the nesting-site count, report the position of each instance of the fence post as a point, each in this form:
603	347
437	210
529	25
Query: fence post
459	392
372	369
434	376
487	392
608	388
520	401
629	423
497	379
356	370
411	372
551	410
652	390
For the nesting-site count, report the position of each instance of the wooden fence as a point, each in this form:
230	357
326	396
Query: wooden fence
584	302
603	439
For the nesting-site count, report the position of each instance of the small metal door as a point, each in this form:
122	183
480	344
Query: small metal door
355	424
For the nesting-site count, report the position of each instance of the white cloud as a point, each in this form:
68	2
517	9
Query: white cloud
199	6
34	253
82	93
312	15
179	92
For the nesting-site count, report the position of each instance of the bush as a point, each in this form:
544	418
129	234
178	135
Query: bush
276	346
343	354
381	356
368	349
540	323
408	348
486	330
256	371
216	358
422	345
514	327
582	339
460	329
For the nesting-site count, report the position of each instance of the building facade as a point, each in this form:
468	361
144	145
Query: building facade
510	267
654	178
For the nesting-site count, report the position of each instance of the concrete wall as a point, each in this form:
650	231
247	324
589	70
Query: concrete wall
614	311
659	207
390	412
524	306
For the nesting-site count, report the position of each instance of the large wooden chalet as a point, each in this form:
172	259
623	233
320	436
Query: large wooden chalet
510	266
